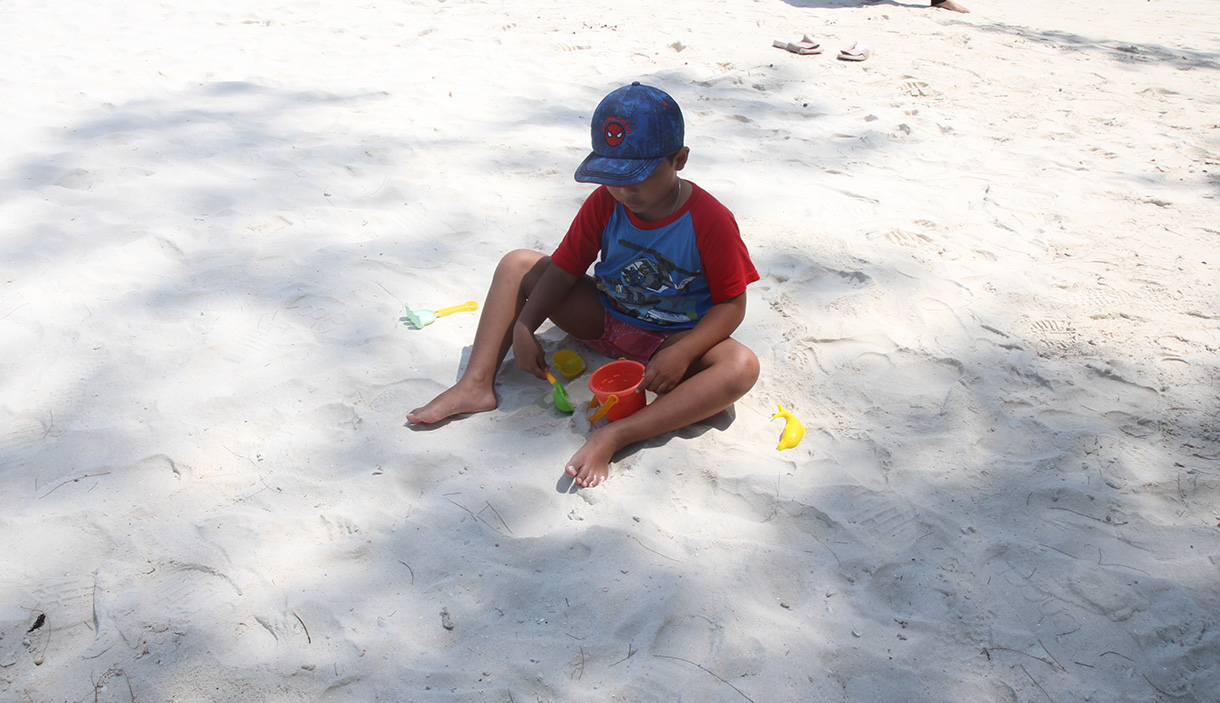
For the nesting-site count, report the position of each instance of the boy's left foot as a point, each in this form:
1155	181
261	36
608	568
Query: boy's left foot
462	398
590	465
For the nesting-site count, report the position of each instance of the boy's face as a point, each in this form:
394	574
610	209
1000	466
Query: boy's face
653	198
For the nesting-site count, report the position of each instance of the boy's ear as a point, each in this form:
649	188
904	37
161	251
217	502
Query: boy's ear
680	158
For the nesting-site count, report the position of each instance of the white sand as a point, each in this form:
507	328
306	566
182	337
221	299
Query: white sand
988	260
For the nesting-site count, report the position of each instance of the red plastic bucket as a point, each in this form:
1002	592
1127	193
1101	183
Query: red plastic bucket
621	379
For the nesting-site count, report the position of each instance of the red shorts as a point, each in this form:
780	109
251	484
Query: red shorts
623	339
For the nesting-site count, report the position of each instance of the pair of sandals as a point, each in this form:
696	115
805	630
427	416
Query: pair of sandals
807	45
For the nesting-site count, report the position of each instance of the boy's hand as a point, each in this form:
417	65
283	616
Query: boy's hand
528	352
666	369
671	363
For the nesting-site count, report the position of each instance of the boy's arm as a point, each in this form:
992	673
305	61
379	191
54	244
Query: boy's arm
669	365
552	287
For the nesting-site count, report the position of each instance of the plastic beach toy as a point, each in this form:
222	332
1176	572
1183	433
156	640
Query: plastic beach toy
423	318
568	362
618	388
561	396
794	431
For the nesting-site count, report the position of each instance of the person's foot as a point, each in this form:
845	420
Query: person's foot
461	398
950	5
590	465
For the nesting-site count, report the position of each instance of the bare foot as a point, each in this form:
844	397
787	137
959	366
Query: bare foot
461	398
590	465
951	5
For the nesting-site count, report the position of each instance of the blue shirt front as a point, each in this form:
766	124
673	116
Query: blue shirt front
652	278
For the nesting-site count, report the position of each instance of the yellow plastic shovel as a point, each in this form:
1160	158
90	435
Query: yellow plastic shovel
561	395
423	318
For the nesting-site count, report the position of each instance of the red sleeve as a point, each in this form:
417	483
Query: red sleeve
726	261
583	243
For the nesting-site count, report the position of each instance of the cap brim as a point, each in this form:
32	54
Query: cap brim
615	172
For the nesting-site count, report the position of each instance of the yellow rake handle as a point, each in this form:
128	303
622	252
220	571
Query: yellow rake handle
468	305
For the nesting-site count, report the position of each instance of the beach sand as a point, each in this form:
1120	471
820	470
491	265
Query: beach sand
988	260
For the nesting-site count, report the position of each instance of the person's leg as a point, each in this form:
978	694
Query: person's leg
724	374
515	276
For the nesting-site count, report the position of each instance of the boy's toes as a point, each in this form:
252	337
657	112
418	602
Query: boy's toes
590	478
590	466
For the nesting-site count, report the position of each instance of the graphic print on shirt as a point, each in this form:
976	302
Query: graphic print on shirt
658	285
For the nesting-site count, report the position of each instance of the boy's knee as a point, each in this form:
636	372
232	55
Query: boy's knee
521	265
749	366
743	367
522	259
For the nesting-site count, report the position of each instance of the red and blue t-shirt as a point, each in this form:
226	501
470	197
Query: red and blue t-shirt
661	275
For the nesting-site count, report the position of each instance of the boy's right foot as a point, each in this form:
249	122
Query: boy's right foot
591	464
457	400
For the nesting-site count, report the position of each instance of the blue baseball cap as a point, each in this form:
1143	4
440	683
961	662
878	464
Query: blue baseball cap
634	128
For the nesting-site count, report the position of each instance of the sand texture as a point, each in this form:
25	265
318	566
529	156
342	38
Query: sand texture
988	258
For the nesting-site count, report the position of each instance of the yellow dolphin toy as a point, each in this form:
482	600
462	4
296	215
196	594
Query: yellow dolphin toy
794	431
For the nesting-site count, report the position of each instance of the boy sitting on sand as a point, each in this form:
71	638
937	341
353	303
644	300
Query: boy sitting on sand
668	287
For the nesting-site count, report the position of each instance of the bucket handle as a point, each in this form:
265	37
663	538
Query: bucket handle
601	412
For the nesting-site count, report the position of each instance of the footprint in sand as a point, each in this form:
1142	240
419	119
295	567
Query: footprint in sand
30	430
883	518
916	89
1052	328
885	379
266	225
71	596
1051	336
1113	595
185	589
1099	301
1123	460
911	589
904	238
76	179
691	637
1178	348
1175	635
